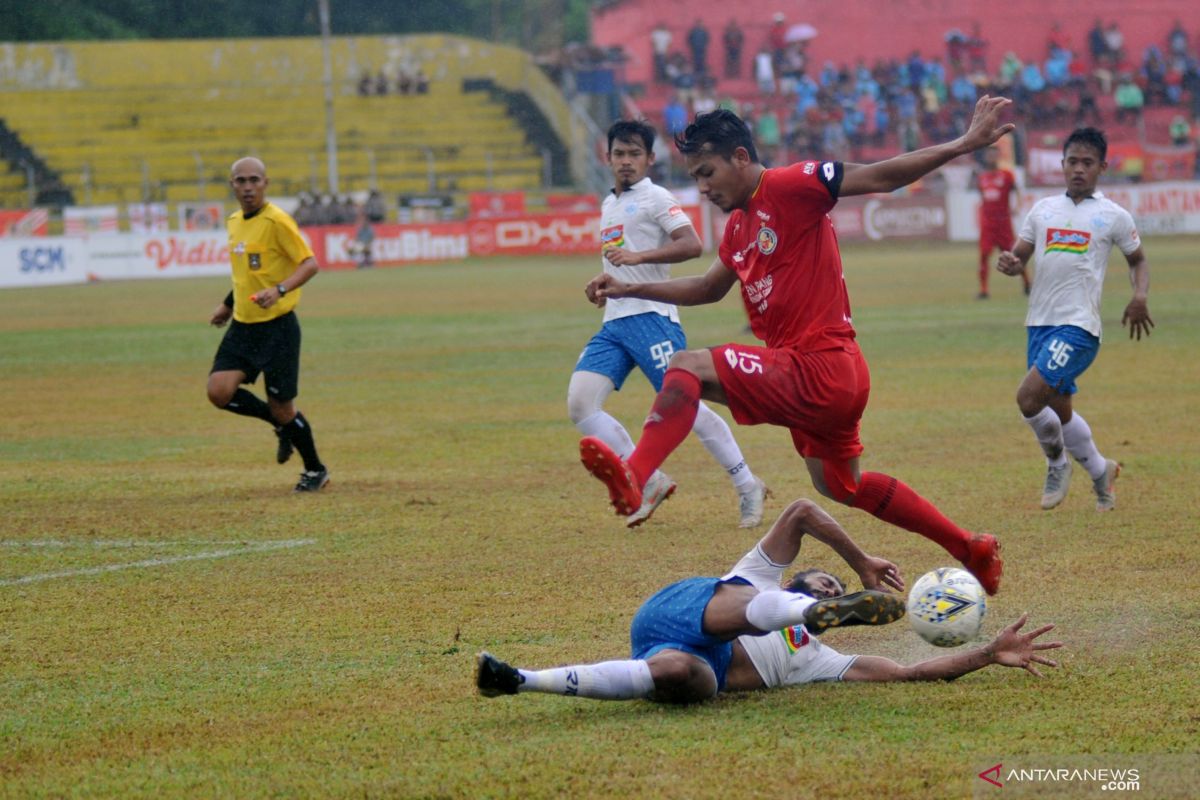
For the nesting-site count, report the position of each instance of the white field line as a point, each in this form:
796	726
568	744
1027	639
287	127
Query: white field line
253	547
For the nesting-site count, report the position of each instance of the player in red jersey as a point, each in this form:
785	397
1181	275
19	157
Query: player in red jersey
995	186
811	377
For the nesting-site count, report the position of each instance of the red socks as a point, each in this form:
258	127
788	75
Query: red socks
670	421
894	502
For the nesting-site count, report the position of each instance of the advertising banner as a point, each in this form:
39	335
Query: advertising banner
393	244
166	255
24	222
488	205
201	216
147	217
42	261
1172	207
92	220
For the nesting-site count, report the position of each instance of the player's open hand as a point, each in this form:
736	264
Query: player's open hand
622	258
1137	314
985	125
220	316
879	574
1008	263
1011	648
602	287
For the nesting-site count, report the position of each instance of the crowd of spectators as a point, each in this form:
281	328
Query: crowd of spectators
404	81
836	110
329	210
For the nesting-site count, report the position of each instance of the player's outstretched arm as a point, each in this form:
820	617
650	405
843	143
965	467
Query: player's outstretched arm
694	290
889	175
1010	648
804	517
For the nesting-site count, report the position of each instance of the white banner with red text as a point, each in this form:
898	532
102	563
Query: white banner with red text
1157	208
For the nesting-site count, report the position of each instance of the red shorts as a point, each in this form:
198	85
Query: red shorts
820	396
998	235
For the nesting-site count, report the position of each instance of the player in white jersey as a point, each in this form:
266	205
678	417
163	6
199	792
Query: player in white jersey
1071	236
743	631
643	230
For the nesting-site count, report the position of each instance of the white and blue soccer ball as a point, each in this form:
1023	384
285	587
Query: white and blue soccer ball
946	607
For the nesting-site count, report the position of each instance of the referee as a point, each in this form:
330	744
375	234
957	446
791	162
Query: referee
270	262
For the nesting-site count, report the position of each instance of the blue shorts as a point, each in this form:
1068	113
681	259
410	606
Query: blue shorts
1061	354
673	619
646	341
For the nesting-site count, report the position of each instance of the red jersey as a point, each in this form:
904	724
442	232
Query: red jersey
785	253
994	188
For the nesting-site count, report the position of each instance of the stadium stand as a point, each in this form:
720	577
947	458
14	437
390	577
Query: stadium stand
996	47
134	121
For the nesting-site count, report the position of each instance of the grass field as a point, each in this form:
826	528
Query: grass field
175	623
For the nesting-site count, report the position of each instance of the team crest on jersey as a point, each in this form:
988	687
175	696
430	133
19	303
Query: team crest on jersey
612	237
794	638
767	239
255	260
1063	240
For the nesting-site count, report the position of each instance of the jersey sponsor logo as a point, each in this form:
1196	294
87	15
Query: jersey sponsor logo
760	290
794	638
612	237
810	168
1064	240
674	211
764	216
767	240
239	248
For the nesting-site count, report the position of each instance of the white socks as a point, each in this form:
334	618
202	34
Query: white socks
776	610
1049	432
605	427
608	680
712	430
1078	438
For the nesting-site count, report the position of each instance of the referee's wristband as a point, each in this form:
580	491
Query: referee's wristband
228	301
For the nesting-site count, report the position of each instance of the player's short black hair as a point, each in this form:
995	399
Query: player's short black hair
630	130
1089	137
721	131
798	583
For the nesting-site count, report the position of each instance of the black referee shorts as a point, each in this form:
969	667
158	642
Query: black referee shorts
272	348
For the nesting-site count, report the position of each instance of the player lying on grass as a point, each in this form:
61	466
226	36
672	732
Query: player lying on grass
701	636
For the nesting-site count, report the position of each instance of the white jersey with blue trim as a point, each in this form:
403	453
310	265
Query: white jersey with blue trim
793	656
1072	243
639	219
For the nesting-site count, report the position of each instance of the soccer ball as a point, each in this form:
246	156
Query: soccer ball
946	607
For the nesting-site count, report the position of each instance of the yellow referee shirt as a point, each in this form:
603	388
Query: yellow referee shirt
263	252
